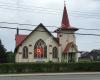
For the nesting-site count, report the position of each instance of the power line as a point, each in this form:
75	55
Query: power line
24	10
26	7
52	31
15	28
90	29
18	23
49	12
43	9
48	26
25	24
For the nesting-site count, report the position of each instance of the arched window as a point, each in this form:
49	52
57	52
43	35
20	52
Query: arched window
40	49
55	52
25	52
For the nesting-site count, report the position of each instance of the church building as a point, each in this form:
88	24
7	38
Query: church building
41	46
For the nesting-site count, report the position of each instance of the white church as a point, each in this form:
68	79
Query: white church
41	46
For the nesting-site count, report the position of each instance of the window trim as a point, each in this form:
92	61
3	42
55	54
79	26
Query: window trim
40	44
55	52
25	52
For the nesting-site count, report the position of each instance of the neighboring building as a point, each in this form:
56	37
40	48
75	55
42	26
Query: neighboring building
41	46
94	55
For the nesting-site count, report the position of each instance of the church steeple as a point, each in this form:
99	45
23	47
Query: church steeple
65	20
65	24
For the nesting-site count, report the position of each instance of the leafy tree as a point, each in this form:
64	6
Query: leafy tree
10	57
2	53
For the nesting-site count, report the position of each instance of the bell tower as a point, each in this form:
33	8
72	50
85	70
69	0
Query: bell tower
66	33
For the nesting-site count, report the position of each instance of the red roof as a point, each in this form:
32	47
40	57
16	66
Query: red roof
65	20
19	39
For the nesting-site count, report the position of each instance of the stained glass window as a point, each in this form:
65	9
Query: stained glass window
40	49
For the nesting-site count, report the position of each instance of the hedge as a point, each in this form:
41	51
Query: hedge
48	67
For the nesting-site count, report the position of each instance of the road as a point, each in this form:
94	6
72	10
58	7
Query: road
54	77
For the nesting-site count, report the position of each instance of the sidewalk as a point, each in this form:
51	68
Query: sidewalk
48	74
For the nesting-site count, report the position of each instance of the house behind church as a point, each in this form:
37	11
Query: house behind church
41	46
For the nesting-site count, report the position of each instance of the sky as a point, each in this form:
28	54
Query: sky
82	14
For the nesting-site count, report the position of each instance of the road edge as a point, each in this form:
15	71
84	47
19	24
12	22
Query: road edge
48	74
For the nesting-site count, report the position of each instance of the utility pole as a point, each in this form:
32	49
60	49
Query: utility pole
17	14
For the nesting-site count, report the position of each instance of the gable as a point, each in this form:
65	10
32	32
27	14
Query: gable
39	32
70	47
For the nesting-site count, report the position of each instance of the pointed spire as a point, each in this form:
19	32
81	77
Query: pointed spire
65	20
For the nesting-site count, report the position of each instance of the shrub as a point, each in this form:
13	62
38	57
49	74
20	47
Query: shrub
48	67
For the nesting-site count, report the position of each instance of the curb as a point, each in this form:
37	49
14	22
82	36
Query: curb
48	74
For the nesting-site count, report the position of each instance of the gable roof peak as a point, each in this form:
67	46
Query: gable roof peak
40	24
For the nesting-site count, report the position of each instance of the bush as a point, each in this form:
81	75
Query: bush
10	57
48	67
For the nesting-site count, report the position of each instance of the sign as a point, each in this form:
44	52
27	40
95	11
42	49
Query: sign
39	51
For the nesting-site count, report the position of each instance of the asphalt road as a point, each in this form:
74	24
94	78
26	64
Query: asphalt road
54	77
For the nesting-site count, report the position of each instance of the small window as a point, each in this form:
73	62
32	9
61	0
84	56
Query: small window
20	52
55	52
25	52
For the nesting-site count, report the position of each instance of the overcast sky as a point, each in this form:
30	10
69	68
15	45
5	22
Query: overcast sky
82	14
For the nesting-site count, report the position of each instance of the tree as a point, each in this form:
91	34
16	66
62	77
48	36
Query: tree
10	57
2	53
